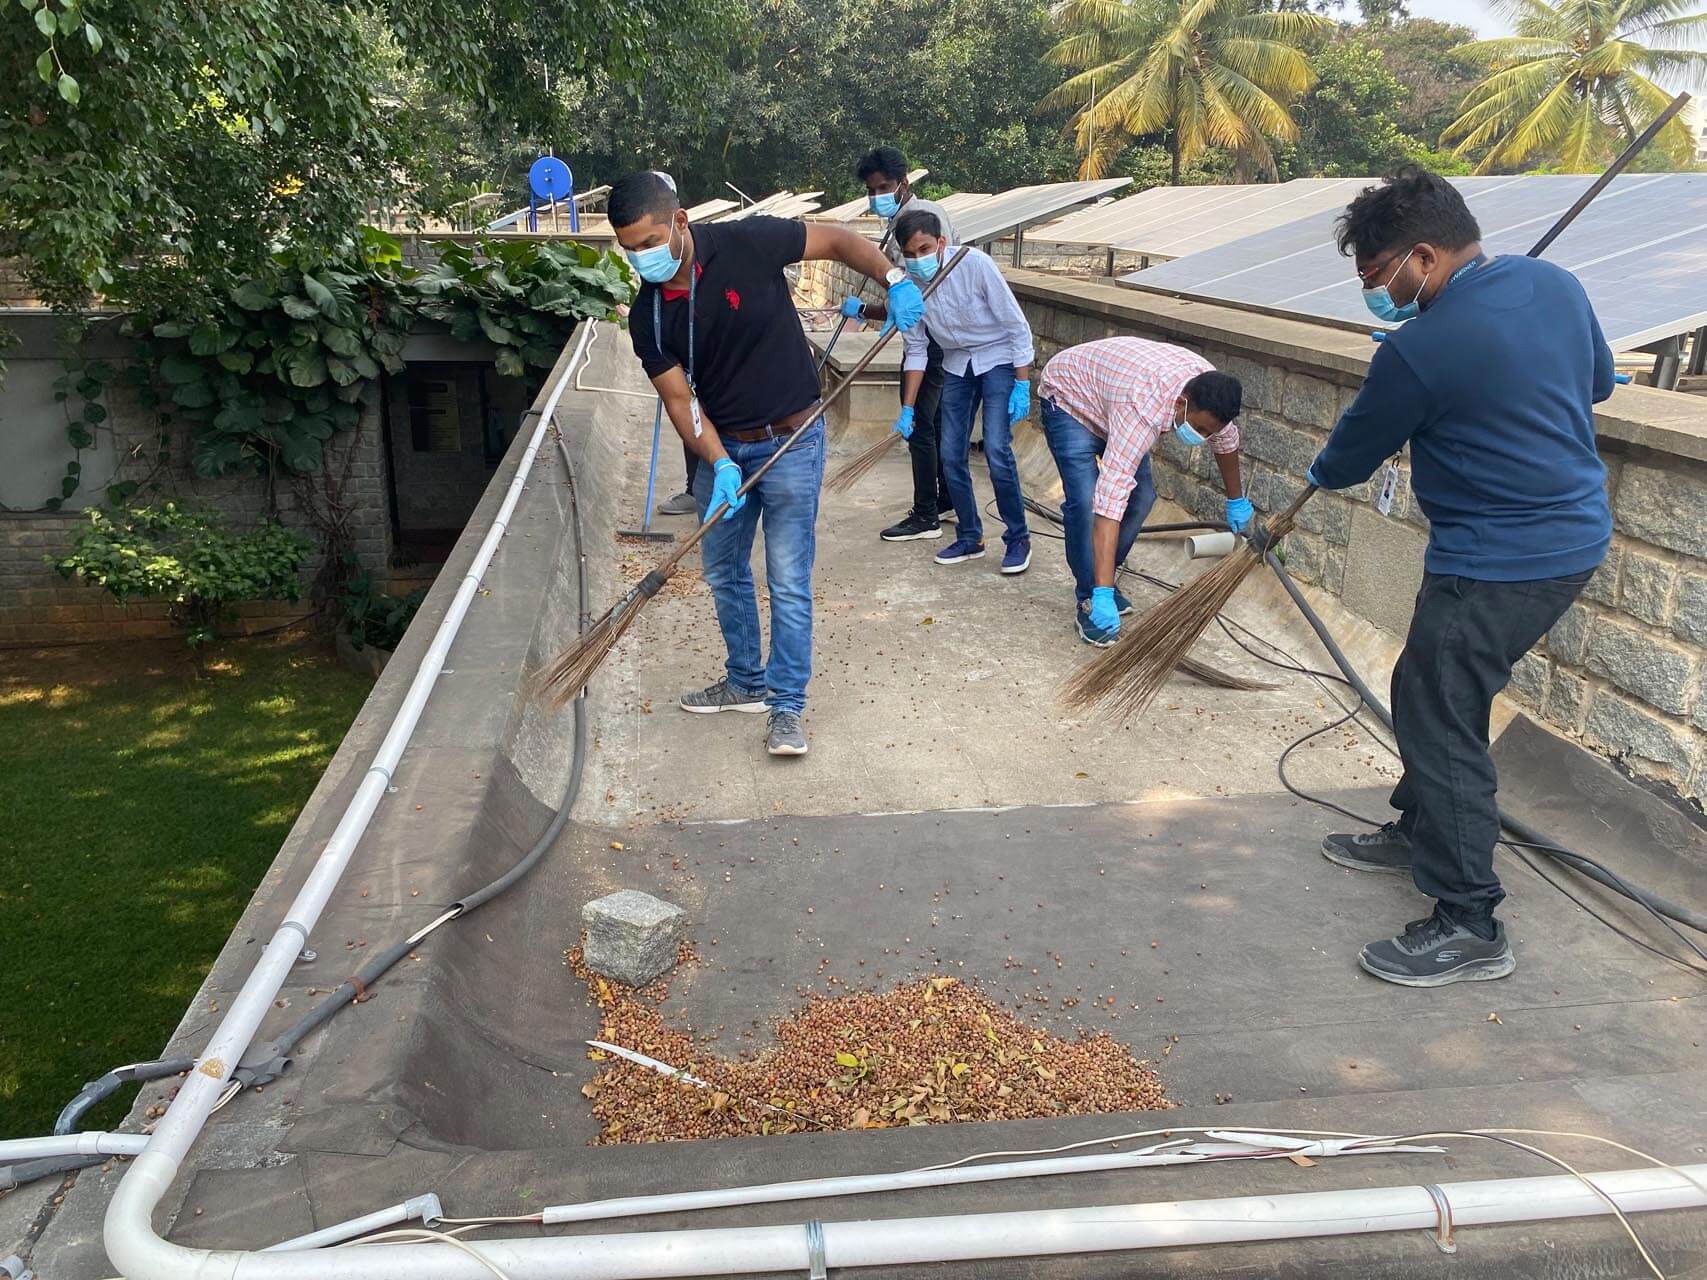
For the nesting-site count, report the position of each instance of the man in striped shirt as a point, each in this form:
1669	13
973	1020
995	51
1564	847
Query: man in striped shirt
1109	402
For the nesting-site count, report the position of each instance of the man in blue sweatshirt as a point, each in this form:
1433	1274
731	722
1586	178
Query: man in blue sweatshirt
1492	383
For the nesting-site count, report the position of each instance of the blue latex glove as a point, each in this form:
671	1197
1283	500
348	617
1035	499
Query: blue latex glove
725	480
906	304
1105	614
1019	399
1240	513
852	307
904	423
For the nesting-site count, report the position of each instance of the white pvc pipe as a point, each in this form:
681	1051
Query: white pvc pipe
72	1144
894	1242
1179	1151
131	1242
427	1208
1202	545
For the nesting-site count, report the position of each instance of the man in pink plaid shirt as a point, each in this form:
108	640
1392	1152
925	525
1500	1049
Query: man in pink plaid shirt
1109	402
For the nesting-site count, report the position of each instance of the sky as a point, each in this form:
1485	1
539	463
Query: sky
1475	14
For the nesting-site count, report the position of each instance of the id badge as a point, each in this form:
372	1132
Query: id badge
699	422
1389	488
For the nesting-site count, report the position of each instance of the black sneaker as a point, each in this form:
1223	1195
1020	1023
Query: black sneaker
944	507
784	736
1384	849
1437	951
913	528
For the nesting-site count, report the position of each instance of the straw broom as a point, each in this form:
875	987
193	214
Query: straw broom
854	469
568	673
1125	678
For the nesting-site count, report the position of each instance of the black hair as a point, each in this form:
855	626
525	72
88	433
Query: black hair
885	160
1413	206
910	223
1217	394
641	195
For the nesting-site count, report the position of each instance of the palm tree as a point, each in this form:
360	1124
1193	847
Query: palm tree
1575	80
1205	72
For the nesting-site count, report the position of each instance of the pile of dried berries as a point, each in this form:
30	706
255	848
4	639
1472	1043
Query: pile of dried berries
930	1052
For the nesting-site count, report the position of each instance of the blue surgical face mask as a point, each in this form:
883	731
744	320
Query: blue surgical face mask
885	205
1381	304
922	269
656	264
1188	434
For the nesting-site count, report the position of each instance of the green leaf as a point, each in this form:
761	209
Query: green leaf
238	418
252	297
46	23
44	66
319	295
307	367
69	89
79	437
508	363
94	414
172	329
93	37
342	371
364	365
388	342
237	361
179	368
345	342
192	395
301	454
299	308
495	331
208	339
846	1059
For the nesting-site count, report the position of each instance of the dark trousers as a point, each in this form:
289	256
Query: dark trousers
930	489
1465	637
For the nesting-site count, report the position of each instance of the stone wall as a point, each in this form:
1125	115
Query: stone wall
1625	671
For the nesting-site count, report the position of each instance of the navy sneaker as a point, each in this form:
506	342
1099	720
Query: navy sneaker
1017	558
1090	633
958	550
1122	603
1438	951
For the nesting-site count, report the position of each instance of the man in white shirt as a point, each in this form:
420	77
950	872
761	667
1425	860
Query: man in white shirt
986	359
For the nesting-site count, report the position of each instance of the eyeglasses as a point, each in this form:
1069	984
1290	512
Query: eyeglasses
1369	273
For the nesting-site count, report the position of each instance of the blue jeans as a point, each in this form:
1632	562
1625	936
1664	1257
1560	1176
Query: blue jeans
961	394
786	500
1076	449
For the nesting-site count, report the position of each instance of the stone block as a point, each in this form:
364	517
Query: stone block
1284	447
631	936
1568	640
1689	619
1625	728
1306	557
1656	671
1383	569
1566	700
1602	588
1310	402
1529	679
1662	507
1257	382
1648	582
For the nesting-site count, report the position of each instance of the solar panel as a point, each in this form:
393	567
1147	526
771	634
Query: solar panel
1023	206
784	204
961	200
1106	225
855	208
709	209
1640	250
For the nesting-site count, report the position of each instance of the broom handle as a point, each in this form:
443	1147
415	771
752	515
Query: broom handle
823	402
1612	171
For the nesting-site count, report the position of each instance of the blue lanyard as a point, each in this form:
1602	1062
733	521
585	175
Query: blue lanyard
658	320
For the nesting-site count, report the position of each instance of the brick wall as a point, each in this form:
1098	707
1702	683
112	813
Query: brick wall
1625	671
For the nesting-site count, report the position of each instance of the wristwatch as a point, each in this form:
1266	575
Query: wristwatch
894	276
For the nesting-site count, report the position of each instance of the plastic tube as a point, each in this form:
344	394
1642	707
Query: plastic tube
131	1242
892	1242
72	1144
427	1208
1203	545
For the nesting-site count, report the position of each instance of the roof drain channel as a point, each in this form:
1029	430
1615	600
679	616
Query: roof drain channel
131	1242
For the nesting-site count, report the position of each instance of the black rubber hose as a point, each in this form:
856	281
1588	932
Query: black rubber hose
1526	834
99	1090
1183	526
27	1171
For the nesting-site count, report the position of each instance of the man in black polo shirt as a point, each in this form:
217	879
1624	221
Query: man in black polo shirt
716	330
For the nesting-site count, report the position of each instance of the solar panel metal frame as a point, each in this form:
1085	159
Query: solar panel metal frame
1022	207
1649	229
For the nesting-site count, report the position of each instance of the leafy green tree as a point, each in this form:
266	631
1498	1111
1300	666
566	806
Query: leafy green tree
1576	82
1348	124
1201	72
1420	53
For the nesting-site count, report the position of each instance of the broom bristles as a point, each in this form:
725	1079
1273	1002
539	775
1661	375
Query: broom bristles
1219	679
1125	678
568	673
854	469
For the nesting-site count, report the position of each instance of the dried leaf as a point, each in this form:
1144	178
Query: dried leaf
861	1118
1495	1018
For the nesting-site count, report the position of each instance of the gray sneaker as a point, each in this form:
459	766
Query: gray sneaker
1384	849
722	696
1438	951
680	505
786	737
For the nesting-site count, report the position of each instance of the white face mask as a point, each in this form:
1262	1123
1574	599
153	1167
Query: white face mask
1188	434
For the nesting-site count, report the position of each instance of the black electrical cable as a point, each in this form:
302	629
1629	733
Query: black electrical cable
277	1051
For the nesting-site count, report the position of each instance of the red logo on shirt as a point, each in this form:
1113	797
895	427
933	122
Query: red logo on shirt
733	298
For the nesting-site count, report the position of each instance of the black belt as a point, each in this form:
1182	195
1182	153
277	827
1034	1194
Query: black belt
778	430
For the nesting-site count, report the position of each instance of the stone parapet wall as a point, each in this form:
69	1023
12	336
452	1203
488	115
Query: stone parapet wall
1625	671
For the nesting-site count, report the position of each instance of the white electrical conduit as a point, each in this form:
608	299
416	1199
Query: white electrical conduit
427	1208
609	391
131	1242
1243	1146
72	1144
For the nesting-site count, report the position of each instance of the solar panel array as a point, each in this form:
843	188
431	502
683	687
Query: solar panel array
1025	206
784	204
1171	222
1640	250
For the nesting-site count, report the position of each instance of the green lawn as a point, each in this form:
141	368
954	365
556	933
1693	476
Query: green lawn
141	804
